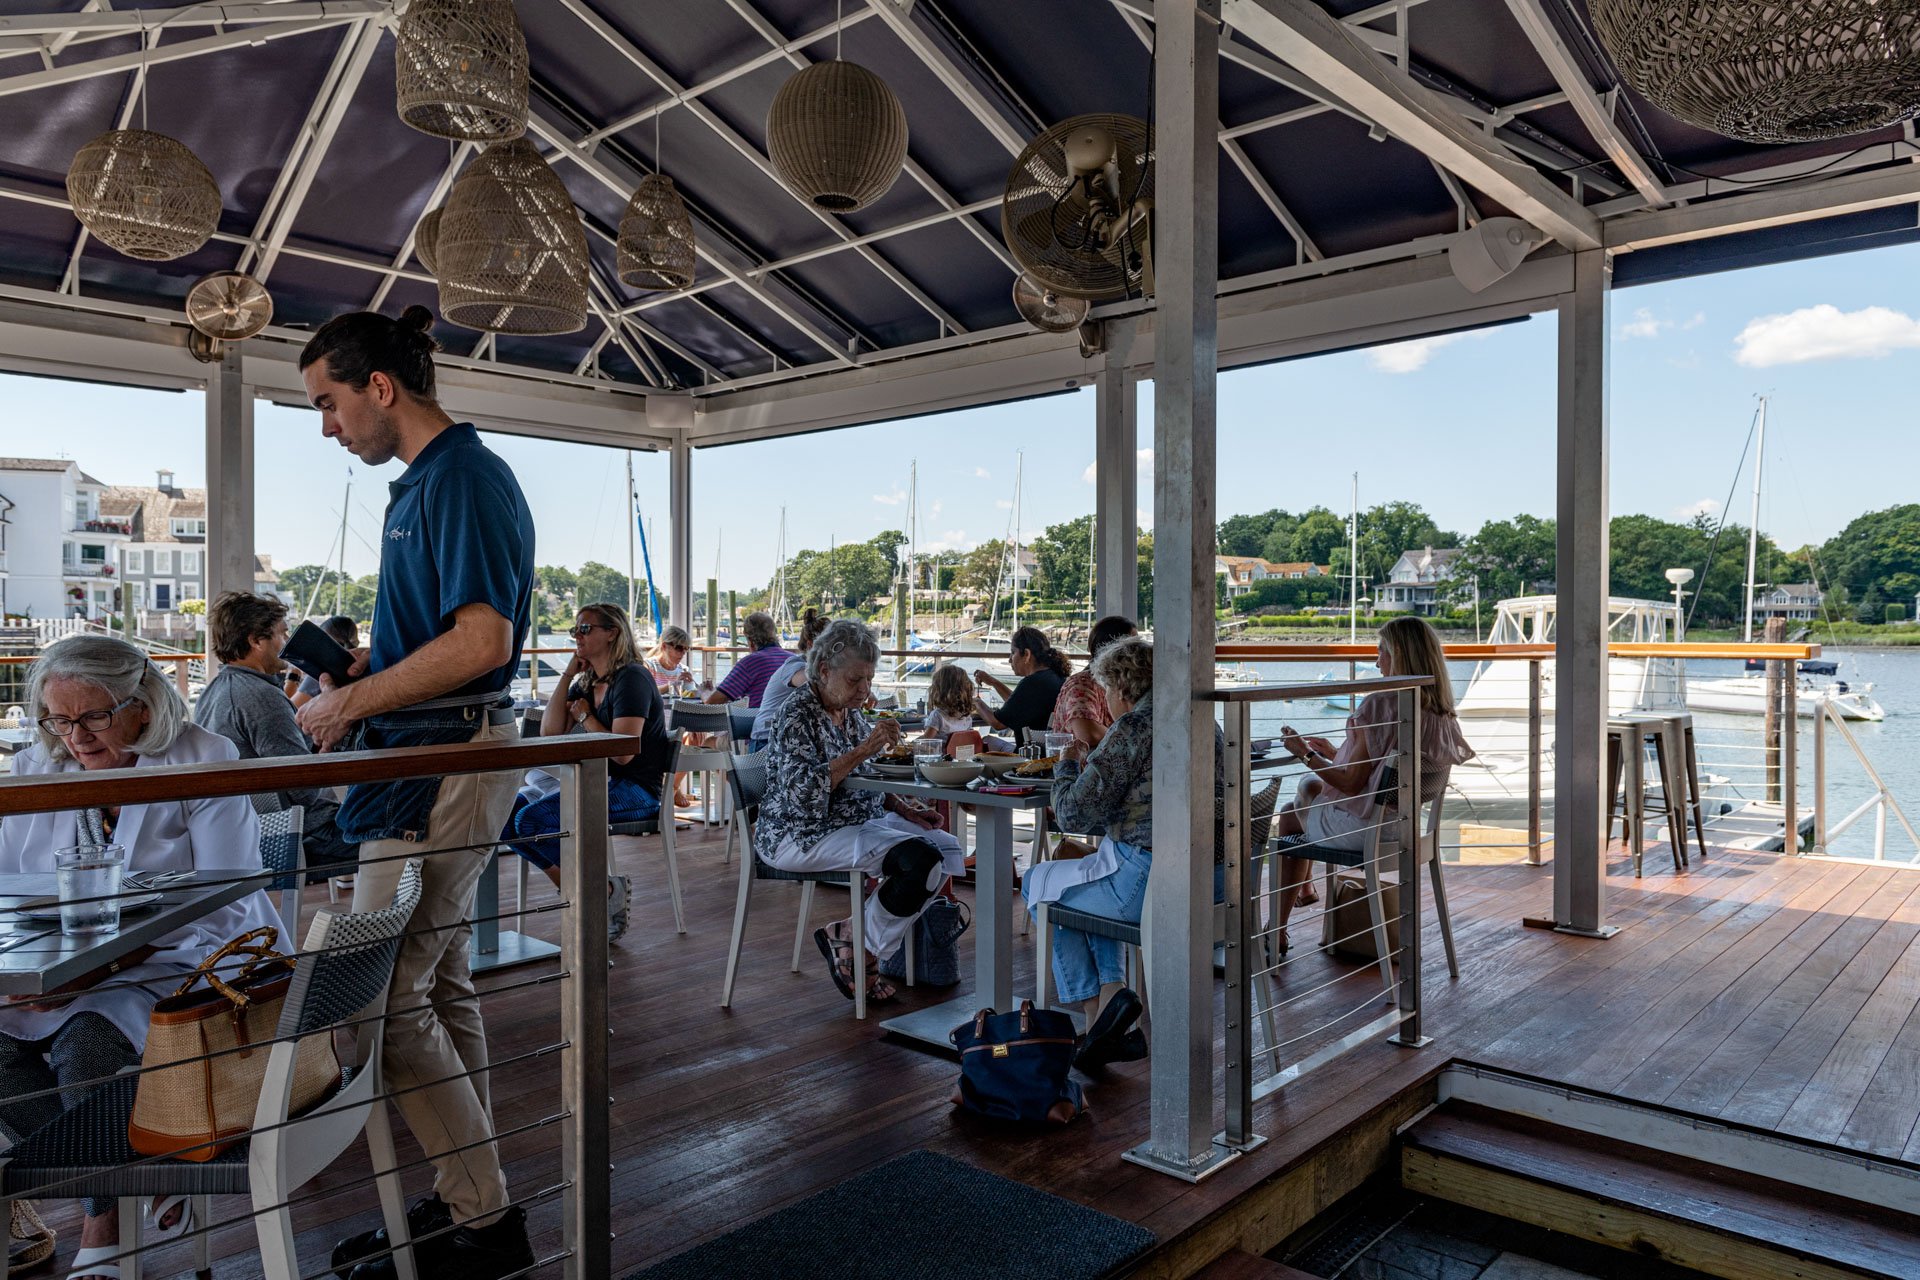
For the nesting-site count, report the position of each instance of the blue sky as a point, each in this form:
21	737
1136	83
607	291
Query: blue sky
1461	424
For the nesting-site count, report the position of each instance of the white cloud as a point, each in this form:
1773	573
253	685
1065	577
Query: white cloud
1825	332
1005	504
1643	325
893	499
933	512
1699	318
1412	356
981	473
951	540
1704	507
1143	464
1092	471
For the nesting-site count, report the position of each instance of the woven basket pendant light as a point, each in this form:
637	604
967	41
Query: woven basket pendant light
656	237
837	136
144	194
426	240
511	254
460	70
1770	72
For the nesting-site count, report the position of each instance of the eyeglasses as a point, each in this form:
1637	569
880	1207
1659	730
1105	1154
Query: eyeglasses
587	629
678	648
93	721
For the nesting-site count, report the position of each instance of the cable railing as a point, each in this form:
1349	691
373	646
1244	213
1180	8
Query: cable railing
336	984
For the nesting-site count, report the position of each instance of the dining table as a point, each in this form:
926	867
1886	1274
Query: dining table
35	957
992	902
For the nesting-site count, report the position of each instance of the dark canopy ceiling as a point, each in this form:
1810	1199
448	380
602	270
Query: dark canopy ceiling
246	111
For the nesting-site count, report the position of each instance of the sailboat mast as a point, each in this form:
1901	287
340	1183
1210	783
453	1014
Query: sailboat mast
1753	524
1019	468
1353	566
633	509
340	577
913	534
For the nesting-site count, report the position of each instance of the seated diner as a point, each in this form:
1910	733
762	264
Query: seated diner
1042	669
791	675
1081	708
99	704
810	820
764	656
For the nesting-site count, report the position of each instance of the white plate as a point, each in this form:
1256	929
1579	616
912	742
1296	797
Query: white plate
884	770
47	906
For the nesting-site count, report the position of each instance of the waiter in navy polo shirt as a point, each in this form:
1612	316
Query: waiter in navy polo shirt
456	572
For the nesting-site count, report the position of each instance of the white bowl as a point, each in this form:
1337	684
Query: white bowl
998	765
951	773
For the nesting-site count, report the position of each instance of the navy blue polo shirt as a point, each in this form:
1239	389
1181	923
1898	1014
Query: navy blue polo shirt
458	532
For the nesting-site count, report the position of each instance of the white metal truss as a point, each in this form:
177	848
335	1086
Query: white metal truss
899	19
118	63
461	153
753	155
1593	113
95	20
1302	34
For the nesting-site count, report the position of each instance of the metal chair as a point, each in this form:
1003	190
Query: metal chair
660	824
740	720
343	977
749	782
717	721
281	850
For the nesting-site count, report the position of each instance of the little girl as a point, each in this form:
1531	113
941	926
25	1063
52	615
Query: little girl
949	703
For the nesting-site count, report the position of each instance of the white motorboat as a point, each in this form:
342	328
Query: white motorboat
1746	695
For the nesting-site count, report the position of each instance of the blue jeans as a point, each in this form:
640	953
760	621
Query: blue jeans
1083	962
627	801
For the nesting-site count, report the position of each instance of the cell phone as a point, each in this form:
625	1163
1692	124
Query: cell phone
316	653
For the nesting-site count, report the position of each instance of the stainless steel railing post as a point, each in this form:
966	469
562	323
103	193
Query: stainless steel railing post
1820	778
1412	856
585	1150
1789	790
1240	855
1533	762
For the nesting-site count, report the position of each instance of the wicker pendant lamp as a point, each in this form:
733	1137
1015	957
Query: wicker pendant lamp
837	136
510	254
460	70
1770	73
144	194
426	240
656	237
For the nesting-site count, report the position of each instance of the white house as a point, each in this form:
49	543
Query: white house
164	559
1416	581
61	547
1241	572
1796	601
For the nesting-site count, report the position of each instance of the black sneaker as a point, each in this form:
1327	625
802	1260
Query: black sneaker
1121	1012
465	1253
425	1215
1128	1047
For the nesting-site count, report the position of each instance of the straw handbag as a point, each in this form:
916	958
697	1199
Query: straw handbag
201	1075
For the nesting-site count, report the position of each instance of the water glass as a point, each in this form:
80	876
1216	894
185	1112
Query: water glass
925	749
89	879
1058	742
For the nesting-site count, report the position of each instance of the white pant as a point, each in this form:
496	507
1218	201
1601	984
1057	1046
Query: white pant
1326	823
865	847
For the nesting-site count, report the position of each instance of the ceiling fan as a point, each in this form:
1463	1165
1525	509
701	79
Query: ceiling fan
227	306
1078	210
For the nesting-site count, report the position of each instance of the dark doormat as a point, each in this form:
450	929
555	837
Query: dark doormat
920	1216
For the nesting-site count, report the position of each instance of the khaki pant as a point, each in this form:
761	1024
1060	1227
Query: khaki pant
426	1043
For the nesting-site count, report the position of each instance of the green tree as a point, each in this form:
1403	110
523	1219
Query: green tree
556	580
1510	557
983	568
1391	528
1288	595
1277	546
839	577
888	544
1063	560
1247	535
1143	562
598	583
1878	552
1314	538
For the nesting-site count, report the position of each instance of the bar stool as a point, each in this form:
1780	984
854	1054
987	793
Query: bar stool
1627	737
1687	767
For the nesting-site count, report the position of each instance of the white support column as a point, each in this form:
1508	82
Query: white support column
676	414
228	555
1116	448
1178	922
1580	644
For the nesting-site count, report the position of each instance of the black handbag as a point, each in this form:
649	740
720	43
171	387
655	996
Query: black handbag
936	945
1013	1066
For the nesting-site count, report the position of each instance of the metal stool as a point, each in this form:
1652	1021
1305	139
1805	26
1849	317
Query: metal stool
1627	737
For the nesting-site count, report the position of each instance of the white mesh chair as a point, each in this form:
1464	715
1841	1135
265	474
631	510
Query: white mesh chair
342	976
281	850
708	761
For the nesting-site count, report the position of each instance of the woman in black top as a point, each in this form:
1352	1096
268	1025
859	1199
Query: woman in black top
608	690
1041	668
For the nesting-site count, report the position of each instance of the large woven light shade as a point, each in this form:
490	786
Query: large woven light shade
144	194
460	70
1770	72
511	255
837	136
426	241
656	237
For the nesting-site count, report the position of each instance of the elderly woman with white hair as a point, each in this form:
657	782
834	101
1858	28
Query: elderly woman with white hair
100	704
811	821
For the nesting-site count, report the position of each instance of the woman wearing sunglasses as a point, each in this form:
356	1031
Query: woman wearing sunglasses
606	690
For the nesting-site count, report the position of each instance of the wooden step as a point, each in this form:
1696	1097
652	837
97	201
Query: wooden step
1236	1264
1720	1221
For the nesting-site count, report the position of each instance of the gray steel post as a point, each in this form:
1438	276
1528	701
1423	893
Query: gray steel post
585	1149
1790	759
1819	778
1412	862
1180	890
1580	638
680	483
1116	493
1533	762
228	562
1240	861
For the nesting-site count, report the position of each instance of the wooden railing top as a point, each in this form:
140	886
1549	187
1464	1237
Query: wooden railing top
1307	651
44	793
18	659
1318	689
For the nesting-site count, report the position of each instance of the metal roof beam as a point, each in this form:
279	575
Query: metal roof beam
1304	35
927	181
1593	113
1773	207
461	152
614	182
126	22
115	64
659	75
310	149
899	19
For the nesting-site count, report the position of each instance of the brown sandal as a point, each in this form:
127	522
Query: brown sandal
838	950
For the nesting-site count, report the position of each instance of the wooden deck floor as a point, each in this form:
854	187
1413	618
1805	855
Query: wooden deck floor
1769	990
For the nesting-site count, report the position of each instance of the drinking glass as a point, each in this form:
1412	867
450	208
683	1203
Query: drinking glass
925	749
89	879
1057	742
